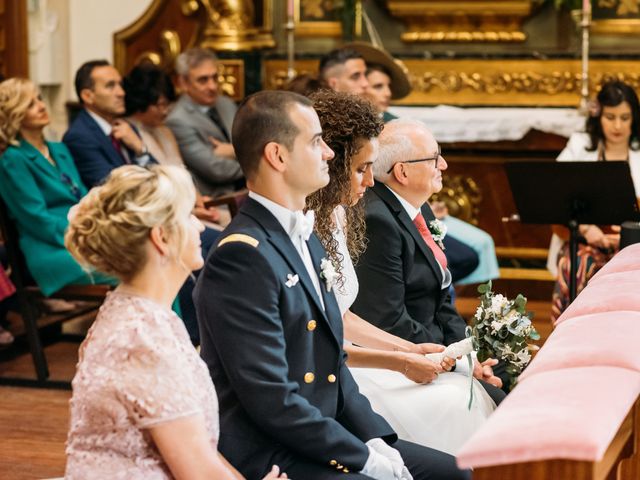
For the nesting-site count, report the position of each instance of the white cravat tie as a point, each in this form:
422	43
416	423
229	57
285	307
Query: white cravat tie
303	224
300	233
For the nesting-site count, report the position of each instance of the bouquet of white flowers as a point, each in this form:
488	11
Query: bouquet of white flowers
501	330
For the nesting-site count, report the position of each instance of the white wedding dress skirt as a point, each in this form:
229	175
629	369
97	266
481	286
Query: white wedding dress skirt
435	415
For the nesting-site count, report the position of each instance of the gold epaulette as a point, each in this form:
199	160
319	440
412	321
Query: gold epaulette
239	237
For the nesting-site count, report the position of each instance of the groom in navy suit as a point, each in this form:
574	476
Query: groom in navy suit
99	140
271	329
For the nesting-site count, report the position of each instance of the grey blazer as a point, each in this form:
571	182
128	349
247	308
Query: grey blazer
192	128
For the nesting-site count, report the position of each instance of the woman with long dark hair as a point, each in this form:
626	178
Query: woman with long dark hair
612	134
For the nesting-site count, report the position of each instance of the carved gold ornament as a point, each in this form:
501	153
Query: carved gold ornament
462	20
543	83
170	49
229	24
462	196
316	8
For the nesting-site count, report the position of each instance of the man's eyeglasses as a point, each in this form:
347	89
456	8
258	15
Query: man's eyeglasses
436	158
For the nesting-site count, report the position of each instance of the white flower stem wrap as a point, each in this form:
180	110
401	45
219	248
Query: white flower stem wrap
456	350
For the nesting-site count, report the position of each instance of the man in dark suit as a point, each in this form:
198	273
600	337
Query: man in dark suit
99	140
201	122
271	328
403	274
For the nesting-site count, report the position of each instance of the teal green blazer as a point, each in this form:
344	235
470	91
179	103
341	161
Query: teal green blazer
38	196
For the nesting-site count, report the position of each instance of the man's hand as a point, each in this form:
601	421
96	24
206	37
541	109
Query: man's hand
211	214
419	369
222	149
484	371
123	131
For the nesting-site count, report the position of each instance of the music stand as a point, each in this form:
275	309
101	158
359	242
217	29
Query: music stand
571	194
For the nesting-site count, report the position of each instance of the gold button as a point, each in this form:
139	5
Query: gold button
311	326
333	462
339	467
346	470
331	378
309	377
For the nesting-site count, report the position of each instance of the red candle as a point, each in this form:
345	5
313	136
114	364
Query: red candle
290	8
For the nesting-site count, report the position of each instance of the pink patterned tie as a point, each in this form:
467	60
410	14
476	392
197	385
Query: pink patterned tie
421	225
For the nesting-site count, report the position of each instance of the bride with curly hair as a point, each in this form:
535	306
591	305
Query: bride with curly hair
421	400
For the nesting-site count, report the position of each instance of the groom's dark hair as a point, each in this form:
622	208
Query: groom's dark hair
262	118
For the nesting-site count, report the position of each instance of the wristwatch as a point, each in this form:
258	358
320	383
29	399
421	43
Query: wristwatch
145	151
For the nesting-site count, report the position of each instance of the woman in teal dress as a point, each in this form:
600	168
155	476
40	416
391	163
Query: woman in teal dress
39	183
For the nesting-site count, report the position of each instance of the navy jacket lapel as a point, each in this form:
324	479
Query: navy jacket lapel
281	241
390	199
104	141
332	311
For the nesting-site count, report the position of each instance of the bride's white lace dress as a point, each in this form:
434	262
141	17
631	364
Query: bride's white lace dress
435	415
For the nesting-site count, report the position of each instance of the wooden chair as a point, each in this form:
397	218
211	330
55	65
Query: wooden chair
232	200
27	297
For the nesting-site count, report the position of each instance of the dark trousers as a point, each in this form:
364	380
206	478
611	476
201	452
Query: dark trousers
496	394
423	463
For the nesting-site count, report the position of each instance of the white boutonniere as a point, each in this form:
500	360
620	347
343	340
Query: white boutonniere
438	231
292	280
328	273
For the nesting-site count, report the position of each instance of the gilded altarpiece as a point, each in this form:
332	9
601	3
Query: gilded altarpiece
616	17
168	27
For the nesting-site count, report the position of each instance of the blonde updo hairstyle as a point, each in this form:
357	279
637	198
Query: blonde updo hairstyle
15	97
111	225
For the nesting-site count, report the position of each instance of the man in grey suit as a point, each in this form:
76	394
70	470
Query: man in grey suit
201	122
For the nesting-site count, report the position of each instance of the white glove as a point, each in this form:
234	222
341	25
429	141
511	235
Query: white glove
378	466
400	472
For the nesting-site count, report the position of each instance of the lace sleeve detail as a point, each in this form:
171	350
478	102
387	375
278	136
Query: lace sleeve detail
155	384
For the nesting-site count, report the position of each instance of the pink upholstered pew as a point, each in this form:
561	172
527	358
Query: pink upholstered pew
626	260
575	413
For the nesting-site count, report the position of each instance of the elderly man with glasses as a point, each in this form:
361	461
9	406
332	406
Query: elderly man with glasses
403	274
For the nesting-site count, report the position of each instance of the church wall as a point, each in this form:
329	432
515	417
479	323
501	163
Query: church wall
63	34
91	27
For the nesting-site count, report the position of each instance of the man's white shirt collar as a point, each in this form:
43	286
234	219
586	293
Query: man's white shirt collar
410	209
285	217
102	123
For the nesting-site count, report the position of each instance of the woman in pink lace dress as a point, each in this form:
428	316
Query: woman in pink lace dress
143	404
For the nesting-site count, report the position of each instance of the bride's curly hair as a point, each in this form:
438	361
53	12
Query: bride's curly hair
347	122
